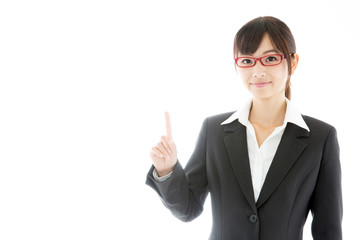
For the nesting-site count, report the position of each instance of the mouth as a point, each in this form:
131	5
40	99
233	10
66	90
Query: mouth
260	85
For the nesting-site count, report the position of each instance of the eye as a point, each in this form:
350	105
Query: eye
247	61
272	58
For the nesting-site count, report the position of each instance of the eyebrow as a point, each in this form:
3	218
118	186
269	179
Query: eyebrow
268	51
272	50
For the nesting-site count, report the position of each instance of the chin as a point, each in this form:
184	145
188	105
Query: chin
261	95
267	96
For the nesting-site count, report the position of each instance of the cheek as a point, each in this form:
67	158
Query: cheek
280	75
244	75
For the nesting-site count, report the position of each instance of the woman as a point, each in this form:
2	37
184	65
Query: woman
266	165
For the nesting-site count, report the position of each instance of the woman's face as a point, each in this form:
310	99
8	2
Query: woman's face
265	81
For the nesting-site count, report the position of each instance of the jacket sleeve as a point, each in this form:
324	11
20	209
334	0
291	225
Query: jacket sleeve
185	191
326	204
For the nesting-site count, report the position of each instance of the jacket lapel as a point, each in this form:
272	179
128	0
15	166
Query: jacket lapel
288	152
236	145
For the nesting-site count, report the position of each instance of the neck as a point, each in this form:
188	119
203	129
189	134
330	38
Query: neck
268	111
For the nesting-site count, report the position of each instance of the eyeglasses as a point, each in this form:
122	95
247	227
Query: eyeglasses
268	60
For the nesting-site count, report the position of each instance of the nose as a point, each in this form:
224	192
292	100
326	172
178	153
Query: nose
258	70
259	74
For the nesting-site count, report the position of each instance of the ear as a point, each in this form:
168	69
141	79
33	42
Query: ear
294	62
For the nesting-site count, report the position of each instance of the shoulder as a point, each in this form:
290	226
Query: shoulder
317	126
218	118
212	125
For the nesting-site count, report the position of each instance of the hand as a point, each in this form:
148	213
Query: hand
163	154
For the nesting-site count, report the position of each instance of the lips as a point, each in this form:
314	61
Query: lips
260	84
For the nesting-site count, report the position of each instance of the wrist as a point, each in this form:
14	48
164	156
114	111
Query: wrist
164	172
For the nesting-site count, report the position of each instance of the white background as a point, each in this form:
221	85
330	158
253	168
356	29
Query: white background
83	90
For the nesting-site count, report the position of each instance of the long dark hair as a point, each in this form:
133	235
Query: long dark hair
248	39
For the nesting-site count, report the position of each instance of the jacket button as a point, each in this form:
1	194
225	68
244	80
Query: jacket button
253	218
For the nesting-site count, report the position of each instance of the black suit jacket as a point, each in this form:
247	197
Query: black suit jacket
304	175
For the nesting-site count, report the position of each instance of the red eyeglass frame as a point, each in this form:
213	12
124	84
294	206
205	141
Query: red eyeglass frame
256	59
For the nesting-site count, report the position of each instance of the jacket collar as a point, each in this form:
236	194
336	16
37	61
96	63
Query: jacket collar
292	115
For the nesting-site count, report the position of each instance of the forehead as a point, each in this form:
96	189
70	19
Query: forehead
266	42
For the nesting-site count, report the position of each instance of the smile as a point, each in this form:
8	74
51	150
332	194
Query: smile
260	85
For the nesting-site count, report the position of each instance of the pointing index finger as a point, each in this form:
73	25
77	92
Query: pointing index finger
168	126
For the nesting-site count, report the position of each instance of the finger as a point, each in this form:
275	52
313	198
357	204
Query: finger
162	149
168	126
156	157
164	141
172	146
156	151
